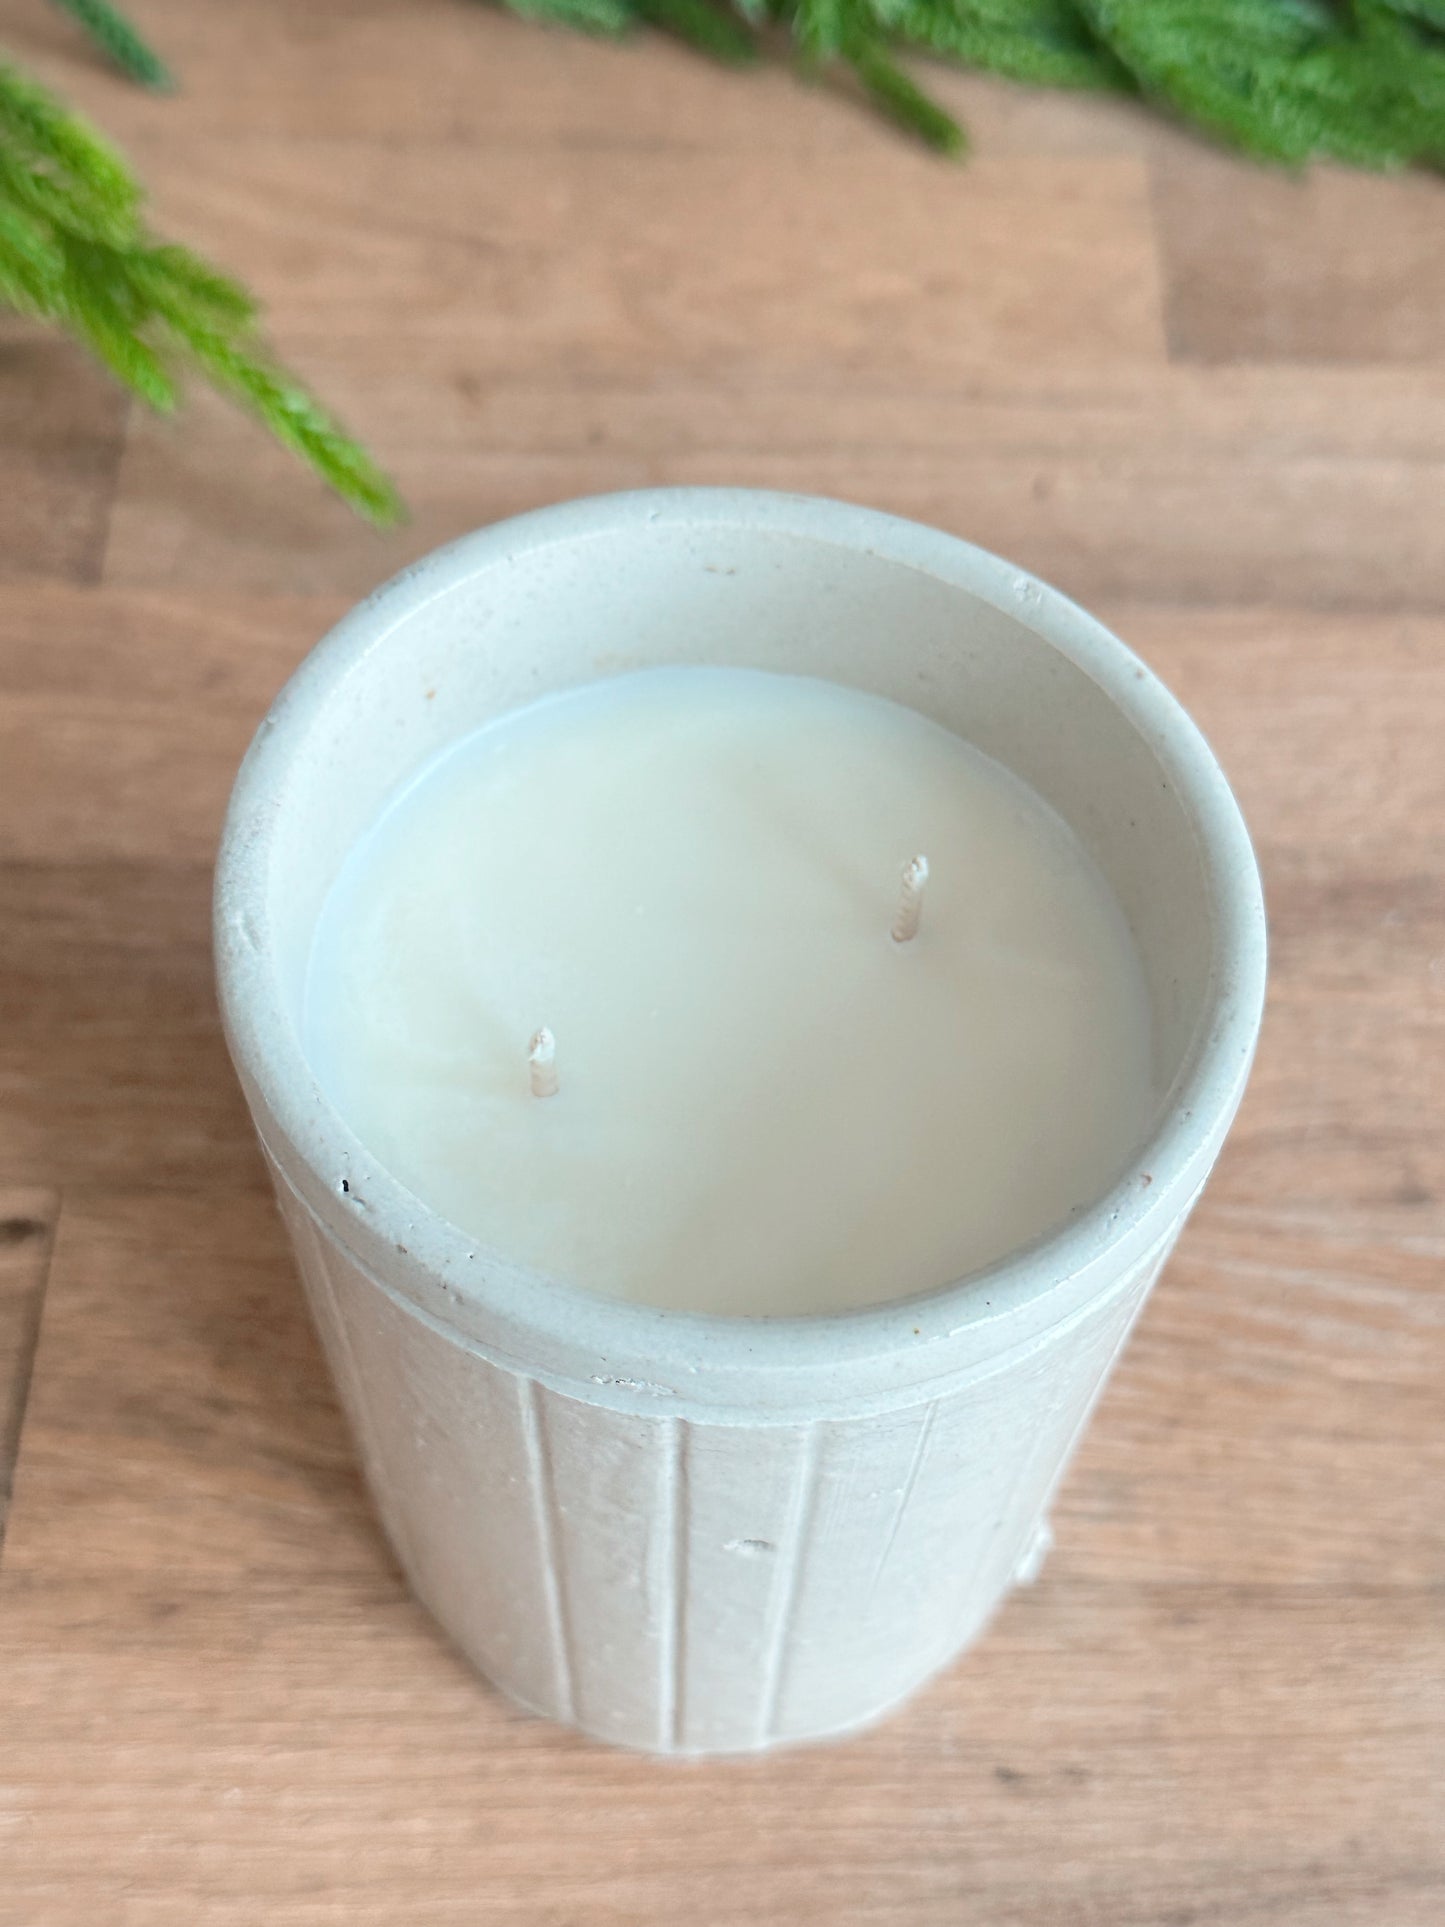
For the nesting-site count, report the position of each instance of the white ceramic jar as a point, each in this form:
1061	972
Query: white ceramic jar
689	1533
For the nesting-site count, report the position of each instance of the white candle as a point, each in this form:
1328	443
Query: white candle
705	1537
764	1095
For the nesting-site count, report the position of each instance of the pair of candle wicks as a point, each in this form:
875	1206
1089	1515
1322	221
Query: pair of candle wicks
542	1051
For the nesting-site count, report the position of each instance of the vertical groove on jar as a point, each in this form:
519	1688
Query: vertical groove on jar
777	1652
672	1643
910	1481
549	1540
314	1254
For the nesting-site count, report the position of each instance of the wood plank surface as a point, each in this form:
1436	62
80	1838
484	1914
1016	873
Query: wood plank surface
1208	401
62	427
27	1224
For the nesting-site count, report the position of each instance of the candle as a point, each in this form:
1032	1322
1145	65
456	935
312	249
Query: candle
827	1007
701	903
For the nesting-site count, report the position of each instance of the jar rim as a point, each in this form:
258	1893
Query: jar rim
649	1358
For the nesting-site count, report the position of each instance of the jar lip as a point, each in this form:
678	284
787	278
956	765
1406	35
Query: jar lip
529	1316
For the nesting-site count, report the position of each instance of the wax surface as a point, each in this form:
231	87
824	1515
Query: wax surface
766	1104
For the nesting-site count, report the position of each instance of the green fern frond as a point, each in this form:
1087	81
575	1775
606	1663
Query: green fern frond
118	40
75	250
110	316
178	281
820	27
32	268
51	140
295	419
1285	80
703	26
609	18
1047	43
904	103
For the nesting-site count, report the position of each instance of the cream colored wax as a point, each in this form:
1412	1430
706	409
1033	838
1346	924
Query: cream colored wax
615	986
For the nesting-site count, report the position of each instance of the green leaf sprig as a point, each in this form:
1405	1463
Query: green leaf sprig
75	250
1361	81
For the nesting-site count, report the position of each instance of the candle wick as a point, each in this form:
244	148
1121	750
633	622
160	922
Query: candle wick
910	900
542	1063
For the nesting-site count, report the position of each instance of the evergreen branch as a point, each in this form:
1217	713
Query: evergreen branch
703	26
1428	14
1285	80
49	139
610	18
892	91
1047	43
820	27
32	269
100	304
118	40
75	251
61	202
284	407
176	279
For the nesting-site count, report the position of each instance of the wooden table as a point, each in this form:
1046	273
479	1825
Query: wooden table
1206	400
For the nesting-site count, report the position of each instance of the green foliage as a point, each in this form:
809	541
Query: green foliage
1286	80
585	16
891	90
1045	42
75	250
119	42
708	28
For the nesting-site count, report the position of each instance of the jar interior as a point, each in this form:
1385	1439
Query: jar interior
644	593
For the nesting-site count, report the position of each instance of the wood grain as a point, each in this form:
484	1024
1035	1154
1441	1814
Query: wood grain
61	427
1265	266
27	1222
1206	400
1160	484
